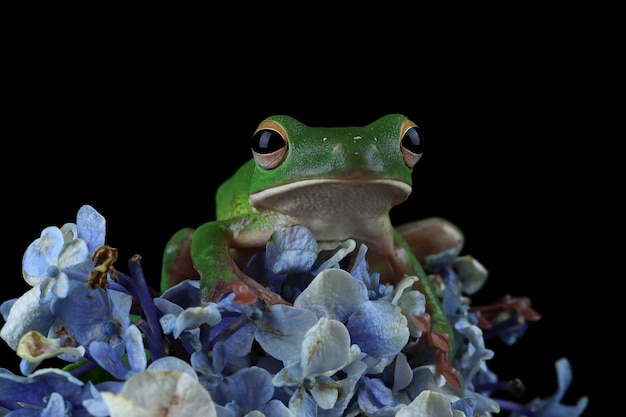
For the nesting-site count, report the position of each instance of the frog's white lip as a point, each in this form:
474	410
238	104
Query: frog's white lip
401	186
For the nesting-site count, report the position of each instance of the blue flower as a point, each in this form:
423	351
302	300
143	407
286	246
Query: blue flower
44	267
110	357
552	407
348	345
59	249
249	390
185	322
324	350
169	386
46	392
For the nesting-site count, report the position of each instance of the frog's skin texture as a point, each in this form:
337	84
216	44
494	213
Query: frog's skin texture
340	182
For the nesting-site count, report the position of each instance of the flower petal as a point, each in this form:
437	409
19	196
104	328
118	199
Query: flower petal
281	331
151	393
333	293
429	404
91	227
291	249
194	317
40	254
325	348
379	328
26	314
35	347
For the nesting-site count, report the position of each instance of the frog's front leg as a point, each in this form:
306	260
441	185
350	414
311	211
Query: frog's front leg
219	273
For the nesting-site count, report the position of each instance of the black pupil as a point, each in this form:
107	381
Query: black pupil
267	141
413	140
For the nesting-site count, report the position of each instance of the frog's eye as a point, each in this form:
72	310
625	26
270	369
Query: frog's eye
412	143
269	144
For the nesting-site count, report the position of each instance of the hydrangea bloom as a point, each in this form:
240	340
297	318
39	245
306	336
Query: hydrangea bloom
348	345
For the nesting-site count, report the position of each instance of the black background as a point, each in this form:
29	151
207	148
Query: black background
145	129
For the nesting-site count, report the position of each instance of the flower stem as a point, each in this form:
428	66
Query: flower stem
153	331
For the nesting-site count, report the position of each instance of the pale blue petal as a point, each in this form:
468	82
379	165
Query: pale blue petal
70	232
61	285
220	356
347	389
121	304
564	377
477	351
471	273
375	398
325	392
167	321
200	363
338	253
333	293
46	286
75	256
194	317
429	403
441	261
42	253
402	373
26	314
291	249
360	268
28	367
173	363
289	376
552	406
412	303
239	343
55	406
251	387
133	340
302	404
91	227
281	331
325	348
5	308
96	407
108	359
379	328
465	405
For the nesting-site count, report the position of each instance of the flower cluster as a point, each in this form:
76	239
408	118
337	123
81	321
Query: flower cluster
348	345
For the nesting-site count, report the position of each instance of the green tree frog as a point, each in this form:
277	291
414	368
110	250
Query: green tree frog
340	182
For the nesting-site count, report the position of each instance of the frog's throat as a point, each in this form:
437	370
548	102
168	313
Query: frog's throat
336	209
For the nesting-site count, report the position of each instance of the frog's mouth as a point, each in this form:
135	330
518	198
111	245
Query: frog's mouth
334	201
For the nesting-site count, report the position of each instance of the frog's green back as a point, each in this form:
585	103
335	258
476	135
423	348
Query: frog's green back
231	199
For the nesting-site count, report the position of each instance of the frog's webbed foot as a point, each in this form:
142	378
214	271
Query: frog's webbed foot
431	236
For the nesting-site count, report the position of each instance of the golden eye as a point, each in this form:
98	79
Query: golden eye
269	144
411	143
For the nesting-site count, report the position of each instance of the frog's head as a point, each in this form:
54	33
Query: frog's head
300	169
